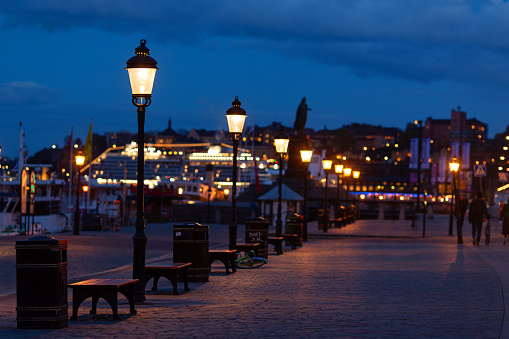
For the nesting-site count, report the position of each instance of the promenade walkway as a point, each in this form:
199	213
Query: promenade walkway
371	279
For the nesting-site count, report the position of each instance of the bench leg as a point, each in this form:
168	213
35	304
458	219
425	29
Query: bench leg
173	278
95	299
128	292
184	273
231	259
112	298
156	280
77	298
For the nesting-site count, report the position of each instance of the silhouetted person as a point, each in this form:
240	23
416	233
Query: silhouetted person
504	215
461	209
476	214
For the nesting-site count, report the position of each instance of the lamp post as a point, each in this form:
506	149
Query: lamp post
454	167
356	175
209	191
327	165
452	194
346	174
281	141
339	171
305	156
142	70
235	116
80	160
419	156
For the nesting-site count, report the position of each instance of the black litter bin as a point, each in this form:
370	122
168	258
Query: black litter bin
257	230
323	219
295	225
41	283
191	244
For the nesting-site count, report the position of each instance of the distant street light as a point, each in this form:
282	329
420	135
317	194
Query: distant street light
327	165
305	156
339	171
419	161
236	116
142	70
80	160
356	175
346	174
209	191
454	167
281	141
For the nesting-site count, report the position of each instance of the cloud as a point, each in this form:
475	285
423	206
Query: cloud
412	39
27	93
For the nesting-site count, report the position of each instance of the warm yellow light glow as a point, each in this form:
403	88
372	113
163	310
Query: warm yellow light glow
85	188
306	155
327	164
363	196
347	172
454	165
80	160
180	190
226	191
236	122
281	145
338	168
356	174
142	80
381	197
401	198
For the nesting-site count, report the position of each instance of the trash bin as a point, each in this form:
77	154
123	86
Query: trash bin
191	244
41	283
257	230
295	225
323	219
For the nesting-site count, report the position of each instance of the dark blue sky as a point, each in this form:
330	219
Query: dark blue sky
382	62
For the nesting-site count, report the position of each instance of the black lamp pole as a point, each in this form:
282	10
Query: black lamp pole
279	221
452	199
235	116
209	191
76	230
419	156
281	142
305	206
326	205
141	84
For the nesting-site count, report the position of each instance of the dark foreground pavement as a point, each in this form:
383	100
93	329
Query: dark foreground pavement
373	278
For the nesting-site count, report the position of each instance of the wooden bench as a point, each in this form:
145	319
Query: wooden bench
278	243
338	222
107	289
170	271
292	239
248	247
227	257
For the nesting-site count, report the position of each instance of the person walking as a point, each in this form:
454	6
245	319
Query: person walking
476	214
504	215
461	209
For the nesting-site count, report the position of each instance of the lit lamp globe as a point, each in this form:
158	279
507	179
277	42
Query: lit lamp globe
281	141
327	164
142	71
306	155
338	169
356	174
454	165
347	171
236	116
80	159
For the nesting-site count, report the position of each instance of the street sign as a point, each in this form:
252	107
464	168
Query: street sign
479	170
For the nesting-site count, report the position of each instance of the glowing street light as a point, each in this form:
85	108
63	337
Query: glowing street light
281	141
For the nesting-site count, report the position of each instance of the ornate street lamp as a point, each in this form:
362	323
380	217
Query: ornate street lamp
209	191
80	160
339	171
454	167
305	156
327	165
235	116
142	70
281	141
346	174
356	175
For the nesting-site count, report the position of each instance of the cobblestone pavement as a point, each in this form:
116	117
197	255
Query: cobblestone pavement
347	283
